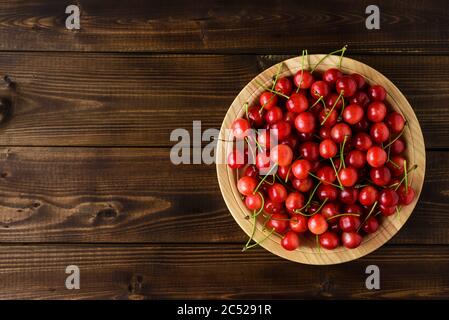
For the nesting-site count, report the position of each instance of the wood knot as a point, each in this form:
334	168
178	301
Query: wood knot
107	214
5	109
135	285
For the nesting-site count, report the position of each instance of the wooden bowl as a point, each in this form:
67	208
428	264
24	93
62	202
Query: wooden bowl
308	252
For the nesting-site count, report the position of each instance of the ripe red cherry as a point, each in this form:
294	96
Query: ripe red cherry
387	211
319	89
253	201
331	75
255	116
340	131
348	176
353	114
264	138
273	115
380	176
349	223
329	240
406	196
330	210
325	132
331	99
297	103
262	161
379	132
303	79
395	122
289	117
284	85
283	172
268	100
309	150
246	185
236	159
278	222
362	141
327	192
298	223
305	122
360	98
348	195
317	224
376	157
361	126
351	240
282	155
376	111
388	198
301	168
328	117
303	185
356	158
294	201
290	241
396	165
281	129
277	193
328	149
326	174
359	79
240	128
377	93
272	207
371	225
353	208
368	195
397	147
346	84
251	171
291	141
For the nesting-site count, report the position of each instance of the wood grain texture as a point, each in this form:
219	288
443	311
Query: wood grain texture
214	271
238	26
131	195
137	100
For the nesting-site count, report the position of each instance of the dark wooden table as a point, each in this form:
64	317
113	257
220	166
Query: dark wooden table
85	174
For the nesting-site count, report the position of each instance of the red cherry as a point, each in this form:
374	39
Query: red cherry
359	79
317	224
351	240
380	176
330	210
361	126
301	168
397	147
377	93
331	75
284	86
309	150
264	138
277	193
268	100
281	129
376	111
371	225
303	185
283	171
272	207
376	157
294	201
326	174
297	103
325	132
353	114
327	192
353	208
305	122
290	241
379	132
273	115
253	201
278	222
319	89
303	79
246	185
331	99
329	240
348	195
328	117
387	211
255	116
328	149
362	141
356	159
395	122
262	161
289	117
349	223
251	171
360	98
340	131
346	84
298	223
368	195
291	141
406	196
236	159
348	176
396	166
282	155
388	198
240	128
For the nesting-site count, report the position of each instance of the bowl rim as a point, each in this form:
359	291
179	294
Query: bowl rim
388	228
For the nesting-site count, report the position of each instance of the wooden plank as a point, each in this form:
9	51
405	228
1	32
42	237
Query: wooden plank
215	272
137	100
131	195
266	26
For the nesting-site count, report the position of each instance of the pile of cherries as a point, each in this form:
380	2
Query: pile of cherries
339	166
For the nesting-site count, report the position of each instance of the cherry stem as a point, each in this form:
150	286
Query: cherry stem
342	158
397	137
302	71
332	184
327	55
272	91
265	177
246	109
336	174
261	207
343	215
309	200
342	92
398	208
298	211
318	244
343	50
277	76
316	102
367	217
403	179
259	242
405	176
288	174
253	154
332	109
